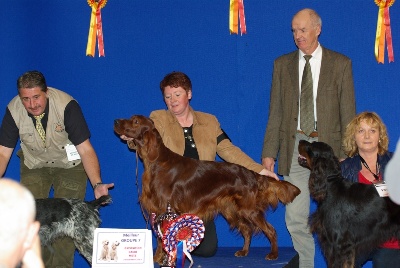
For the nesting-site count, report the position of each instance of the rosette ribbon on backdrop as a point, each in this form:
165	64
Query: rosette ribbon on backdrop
236	15
180	235
96	28
383	30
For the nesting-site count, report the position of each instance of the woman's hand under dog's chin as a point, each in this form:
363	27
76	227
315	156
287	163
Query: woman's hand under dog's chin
123	137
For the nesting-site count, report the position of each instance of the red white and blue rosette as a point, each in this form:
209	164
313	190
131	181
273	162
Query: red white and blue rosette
181	237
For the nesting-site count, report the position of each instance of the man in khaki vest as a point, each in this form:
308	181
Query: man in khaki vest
55	150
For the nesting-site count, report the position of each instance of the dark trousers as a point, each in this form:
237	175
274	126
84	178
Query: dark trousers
381	258
209	244
69	183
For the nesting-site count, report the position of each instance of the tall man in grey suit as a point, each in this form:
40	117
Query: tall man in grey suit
333	107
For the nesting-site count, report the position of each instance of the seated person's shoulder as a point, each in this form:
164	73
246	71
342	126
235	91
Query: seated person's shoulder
388	155
346	161
349	163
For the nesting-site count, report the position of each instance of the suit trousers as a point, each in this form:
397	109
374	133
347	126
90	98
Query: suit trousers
68	183
297	212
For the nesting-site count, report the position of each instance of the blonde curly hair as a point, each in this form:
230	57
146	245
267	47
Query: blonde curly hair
372	119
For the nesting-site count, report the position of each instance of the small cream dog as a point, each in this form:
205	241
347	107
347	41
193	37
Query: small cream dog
113	251
105	251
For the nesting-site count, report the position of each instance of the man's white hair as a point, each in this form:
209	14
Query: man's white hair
17	210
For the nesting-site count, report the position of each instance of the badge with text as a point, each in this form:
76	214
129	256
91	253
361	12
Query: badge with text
72	153
381	187
122	248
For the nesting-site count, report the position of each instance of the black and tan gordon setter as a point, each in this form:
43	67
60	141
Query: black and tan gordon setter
351	218
204	188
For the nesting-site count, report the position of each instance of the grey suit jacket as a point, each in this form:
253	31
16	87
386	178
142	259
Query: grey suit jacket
335	105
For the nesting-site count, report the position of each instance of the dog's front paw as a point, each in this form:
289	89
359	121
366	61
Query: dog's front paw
241	253
158	259
159	256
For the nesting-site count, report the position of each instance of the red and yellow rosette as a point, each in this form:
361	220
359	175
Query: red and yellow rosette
236	15
95	29
383	31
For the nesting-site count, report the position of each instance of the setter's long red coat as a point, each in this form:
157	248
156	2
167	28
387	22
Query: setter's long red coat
204	188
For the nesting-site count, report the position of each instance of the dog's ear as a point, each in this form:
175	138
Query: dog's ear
327	163
151	144
318	187
314	150
325	166
151	120
147	139
145	126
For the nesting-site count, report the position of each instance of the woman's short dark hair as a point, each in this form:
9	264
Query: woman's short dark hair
176	79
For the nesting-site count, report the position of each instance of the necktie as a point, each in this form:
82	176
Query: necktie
306	100
39	127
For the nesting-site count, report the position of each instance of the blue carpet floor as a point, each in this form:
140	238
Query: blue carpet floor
255	259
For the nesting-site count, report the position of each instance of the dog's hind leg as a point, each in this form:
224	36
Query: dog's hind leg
247	233
84	244
256	223
269	231
86	219
239	220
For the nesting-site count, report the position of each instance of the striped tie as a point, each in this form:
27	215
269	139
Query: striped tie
306	100
39	127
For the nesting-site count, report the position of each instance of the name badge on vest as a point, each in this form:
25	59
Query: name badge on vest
72	153
381	188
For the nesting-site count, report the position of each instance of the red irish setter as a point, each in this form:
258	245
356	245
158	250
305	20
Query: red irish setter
204	188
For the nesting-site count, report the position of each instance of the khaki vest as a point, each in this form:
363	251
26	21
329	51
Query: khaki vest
53	153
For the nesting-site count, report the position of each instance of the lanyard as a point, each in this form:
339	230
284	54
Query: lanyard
376	176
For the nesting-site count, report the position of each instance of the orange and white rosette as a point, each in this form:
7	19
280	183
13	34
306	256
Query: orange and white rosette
95	29
236	15
383	31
